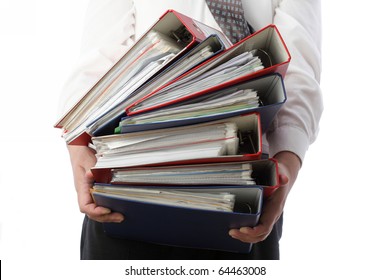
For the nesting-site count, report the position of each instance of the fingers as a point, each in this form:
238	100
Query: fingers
273	208
251	235
88	206
101	214
270	216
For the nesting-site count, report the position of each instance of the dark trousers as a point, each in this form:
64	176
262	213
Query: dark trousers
95	245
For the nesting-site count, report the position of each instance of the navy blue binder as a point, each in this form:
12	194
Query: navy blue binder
185	227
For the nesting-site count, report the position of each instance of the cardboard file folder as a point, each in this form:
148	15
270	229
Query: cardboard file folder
185	227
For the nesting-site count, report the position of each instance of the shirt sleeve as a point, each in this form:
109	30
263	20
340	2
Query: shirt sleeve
296	125
109	31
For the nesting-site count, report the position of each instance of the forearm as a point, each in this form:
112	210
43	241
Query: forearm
296	125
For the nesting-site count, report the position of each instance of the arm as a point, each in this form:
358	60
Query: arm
82	159
296	125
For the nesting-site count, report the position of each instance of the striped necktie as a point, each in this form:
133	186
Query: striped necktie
229	15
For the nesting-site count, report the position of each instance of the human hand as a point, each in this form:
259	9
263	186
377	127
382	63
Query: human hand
289	165
83	159
88	206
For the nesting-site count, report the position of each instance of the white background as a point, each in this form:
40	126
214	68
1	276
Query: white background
336	218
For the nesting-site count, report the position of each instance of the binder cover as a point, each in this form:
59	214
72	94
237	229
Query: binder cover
185	227
267	39
271	92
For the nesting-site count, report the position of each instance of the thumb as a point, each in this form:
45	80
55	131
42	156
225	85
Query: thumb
89	177
283	180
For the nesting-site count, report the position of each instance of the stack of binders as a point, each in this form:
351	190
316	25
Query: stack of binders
177	124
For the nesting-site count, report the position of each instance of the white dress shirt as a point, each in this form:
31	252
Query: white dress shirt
111	27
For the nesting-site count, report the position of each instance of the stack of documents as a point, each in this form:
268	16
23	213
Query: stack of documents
205	50
175	40
177	125
222	201
152	53
260	54
241	65
165	145
232	139
202	174
265	95
228	100
176	213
